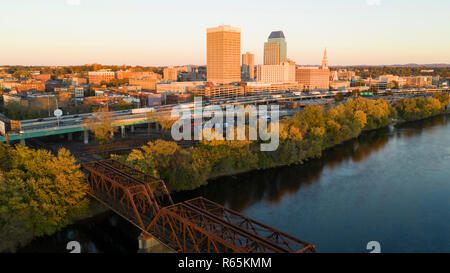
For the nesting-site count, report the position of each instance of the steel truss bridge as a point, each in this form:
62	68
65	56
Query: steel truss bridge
194	226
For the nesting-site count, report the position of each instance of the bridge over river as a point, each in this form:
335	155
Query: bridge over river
194	226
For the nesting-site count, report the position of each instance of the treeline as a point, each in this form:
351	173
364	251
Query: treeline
16	111
420	108
376	71
81	69
39	194
302	137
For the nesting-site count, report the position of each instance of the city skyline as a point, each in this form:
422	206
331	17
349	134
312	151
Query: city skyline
63	32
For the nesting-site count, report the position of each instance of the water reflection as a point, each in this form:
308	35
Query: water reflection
272	185
372	187
241	191
106	232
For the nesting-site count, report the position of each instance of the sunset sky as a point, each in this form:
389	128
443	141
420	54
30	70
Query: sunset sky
173	32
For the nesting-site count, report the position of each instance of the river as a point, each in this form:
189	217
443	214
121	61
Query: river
390	185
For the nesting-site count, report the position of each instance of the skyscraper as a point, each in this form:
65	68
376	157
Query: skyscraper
223	54
275	50
248	66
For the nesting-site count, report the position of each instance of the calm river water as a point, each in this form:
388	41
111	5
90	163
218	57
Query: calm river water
390	185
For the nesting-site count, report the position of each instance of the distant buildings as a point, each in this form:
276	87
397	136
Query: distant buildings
275	49
97	77
41	77
171	73
339	85
30	85
137	75
145	83
254	88
248	66
391	81
223	54
193	74
343	75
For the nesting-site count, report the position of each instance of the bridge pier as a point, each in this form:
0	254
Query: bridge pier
86	136
22	142
69	137
132	128
148	244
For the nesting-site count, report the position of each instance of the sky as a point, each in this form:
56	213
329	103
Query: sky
173	32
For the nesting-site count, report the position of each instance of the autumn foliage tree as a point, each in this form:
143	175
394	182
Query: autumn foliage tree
39	194
100	124
306	135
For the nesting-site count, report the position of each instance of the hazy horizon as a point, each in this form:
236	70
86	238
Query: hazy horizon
147	33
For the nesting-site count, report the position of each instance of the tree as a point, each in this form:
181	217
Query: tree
21	74
39	194
123	105
339	96
101	125
166	123
150	116
355	92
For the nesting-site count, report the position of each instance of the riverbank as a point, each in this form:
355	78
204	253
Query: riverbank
392	123
303	137
389	185
353	190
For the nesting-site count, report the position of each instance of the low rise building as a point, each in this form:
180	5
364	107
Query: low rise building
145	83
211	91
313	78
41	77
178	98
339	85
10	84
252	88
177	87
97	77
30	85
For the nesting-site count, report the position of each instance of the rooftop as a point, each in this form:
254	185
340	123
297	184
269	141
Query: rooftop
276	35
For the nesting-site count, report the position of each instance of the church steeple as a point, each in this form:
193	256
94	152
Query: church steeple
325	60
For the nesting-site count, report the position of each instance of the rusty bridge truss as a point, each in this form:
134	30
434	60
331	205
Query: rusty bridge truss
194	226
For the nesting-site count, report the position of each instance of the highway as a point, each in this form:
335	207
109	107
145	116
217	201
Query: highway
74	123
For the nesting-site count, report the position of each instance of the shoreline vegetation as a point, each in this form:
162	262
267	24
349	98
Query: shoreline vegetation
41	193
302	137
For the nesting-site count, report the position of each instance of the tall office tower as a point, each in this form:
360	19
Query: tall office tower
223	55
275	50
325	60
248	66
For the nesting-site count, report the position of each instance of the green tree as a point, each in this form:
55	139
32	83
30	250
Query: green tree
21	74
123	105
39	194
